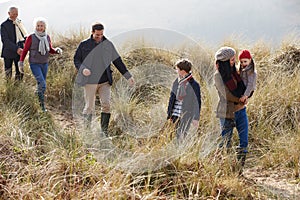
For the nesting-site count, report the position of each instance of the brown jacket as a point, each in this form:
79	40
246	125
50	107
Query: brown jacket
226	105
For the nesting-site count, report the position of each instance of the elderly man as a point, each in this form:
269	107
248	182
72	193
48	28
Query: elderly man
13	36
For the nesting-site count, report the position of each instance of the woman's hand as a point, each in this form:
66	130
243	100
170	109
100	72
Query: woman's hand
21	67
244	99
58	50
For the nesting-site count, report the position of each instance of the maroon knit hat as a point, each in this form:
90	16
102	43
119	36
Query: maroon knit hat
244	54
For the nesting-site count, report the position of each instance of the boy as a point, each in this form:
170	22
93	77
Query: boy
185	99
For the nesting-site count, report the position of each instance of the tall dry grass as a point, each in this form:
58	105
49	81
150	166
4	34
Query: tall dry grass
39	159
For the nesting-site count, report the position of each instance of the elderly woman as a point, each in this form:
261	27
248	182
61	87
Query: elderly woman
39	46
231	109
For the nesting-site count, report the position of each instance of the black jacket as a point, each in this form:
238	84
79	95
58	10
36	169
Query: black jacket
9	38
191	105
98	57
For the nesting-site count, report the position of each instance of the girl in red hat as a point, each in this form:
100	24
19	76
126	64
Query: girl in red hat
247	73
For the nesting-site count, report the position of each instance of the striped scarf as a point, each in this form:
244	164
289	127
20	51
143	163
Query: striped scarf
181	91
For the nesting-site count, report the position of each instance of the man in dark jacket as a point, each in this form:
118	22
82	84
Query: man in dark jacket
92	59
13	36
185	99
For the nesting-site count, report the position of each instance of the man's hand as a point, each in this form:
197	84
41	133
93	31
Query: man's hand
19	51
86	72
131	82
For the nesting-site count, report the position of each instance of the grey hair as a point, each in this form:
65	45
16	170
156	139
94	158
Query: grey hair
40	19
12	8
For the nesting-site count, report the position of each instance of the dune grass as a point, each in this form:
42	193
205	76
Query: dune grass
41	160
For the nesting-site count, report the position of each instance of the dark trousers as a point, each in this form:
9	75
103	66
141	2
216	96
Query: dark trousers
8	62
182	126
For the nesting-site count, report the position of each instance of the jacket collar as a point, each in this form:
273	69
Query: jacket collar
103	39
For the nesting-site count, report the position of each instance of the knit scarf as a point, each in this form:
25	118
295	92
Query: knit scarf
21	32
181	91
231	78
44	46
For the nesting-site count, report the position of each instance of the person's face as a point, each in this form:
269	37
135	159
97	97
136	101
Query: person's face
181	73
232	61
13	14
245	62
40	27
97	35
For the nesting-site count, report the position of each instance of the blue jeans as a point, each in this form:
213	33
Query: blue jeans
241	123
39	72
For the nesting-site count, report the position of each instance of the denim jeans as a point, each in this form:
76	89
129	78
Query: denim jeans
241	123
39	72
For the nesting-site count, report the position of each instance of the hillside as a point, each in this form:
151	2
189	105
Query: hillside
50	156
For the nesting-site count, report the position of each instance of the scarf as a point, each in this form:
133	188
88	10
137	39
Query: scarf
231	78
182	83
21	32
44	46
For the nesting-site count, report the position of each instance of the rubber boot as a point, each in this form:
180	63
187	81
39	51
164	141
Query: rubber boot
42	102
241	157
104	122
87	121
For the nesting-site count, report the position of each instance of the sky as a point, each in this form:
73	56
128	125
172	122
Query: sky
209	21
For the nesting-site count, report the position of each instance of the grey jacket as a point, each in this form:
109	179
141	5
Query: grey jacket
249	77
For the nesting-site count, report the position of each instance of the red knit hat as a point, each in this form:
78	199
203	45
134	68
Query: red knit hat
244	54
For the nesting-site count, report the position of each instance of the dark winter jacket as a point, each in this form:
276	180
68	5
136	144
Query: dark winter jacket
97	57
9	38
191	105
